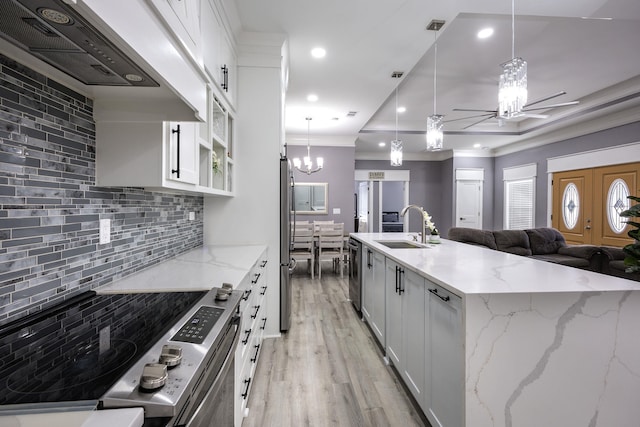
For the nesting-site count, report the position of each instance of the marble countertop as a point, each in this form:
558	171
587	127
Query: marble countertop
202	268
469	269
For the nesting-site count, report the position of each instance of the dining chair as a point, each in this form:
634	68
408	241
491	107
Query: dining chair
303	247
330	246
318	224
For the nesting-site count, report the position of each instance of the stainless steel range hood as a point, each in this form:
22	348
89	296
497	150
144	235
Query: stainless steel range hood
55	33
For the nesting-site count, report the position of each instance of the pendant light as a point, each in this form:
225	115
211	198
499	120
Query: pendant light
396	144
435	134
512	88
308	164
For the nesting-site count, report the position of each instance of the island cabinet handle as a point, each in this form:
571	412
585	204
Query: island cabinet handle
254	315
246	295
435	292
369	265
247	382
255	356
400	280
255	280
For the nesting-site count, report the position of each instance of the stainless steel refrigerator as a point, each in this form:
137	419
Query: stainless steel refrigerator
286	263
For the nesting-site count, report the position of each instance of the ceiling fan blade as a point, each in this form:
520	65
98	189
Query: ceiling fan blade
537	101
469	117
564	104
478	111
536	116
479	121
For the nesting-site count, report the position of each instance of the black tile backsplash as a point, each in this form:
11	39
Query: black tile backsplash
50	206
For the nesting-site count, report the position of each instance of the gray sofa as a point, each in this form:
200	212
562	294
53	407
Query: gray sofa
546	244
614	265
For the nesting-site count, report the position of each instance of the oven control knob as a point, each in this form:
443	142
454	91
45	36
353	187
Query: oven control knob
171	355
154	376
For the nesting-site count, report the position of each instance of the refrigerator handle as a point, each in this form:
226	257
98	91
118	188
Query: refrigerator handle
292	265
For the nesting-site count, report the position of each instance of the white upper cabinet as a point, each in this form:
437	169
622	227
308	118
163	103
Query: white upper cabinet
182	18
218	52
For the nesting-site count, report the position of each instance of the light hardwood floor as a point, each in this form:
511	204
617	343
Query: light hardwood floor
327	370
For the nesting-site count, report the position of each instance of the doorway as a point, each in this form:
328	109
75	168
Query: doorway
587	203
469	186
378	193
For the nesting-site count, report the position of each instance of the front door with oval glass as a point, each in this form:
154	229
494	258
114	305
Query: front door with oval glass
572	205
587	203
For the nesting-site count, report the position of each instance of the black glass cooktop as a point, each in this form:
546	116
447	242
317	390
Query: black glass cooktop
76	352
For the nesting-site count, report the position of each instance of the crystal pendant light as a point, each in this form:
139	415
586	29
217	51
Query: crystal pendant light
308	164
434	134
512	89
396	144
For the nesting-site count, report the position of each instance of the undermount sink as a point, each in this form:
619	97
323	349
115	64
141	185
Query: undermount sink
400	244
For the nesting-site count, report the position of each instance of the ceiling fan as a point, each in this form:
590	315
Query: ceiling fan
526	111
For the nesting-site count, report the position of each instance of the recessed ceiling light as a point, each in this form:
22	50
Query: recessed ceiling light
382	144
402	109
485	33
318	52
312	97
477	145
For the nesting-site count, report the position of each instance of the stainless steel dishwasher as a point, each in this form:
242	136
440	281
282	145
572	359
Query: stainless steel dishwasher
355	277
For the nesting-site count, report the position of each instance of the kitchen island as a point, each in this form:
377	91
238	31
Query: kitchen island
506	340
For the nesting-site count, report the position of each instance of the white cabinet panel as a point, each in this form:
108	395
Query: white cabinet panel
373	300
445	358
406	325
183	154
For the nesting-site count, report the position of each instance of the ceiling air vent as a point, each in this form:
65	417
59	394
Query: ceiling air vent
352	113
435	25
397	74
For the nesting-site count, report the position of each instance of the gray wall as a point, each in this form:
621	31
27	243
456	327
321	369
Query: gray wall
338	172
608	138
50	207
425	188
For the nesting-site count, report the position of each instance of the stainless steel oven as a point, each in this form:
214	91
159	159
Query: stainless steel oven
171	354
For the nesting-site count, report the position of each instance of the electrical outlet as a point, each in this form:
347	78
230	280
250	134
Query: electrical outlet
336	211
105	231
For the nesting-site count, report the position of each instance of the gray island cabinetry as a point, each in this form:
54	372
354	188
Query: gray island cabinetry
483	338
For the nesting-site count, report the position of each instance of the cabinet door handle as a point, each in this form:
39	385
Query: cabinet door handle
255	356
435	292
254	315
225	78
255	280
246	338
263	263
369	265
247	382
177	170
264	323
246	295
264	290
401	281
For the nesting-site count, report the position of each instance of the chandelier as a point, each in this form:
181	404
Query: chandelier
434	122
396	144
512	88
308	164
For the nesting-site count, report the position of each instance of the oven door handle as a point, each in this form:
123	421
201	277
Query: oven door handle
224	370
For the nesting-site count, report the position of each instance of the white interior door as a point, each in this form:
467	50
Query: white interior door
469	204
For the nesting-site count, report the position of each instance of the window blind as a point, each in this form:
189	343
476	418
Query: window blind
519	204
